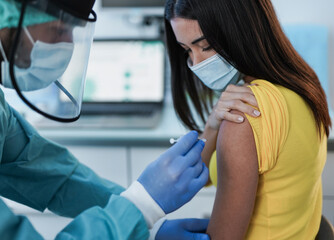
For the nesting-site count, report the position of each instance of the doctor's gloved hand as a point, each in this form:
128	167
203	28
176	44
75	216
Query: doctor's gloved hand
183	229
177	175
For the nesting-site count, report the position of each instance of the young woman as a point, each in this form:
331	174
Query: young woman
267	169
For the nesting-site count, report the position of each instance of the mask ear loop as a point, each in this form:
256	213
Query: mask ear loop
2	50
3	63
26	31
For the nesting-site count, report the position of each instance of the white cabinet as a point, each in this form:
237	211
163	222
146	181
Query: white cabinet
108	162
199	207
141	157
48	224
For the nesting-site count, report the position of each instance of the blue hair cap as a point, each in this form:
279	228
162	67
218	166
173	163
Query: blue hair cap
10	11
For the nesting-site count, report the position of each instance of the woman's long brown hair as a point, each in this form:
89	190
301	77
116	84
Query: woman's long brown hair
248	35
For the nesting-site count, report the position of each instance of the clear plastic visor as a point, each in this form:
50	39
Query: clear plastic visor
49	62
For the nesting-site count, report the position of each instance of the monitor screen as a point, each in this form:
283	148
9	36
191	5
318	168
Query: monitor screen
126	71
133	3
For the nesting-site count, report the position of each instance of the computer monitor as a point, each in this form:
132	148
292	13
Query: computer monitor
133	3
124	73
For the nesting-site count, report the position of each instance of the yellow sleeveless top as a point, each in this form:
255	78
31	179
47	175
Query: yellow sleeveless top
291	157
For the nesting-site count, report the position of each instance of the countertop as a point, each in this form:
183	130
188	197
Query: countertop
168	127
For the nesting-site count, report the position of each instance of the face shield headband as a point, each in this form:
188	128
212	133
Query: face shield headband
75	100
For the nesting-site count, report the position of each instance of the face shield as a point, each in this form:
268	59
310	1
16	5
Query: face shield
48	61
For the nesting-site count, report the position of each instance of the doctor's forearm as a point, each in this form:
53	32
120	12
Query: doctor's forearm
119	219
83	190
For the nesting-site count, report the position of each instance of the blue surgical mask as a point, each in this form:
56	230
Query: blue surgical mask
215	72
48	64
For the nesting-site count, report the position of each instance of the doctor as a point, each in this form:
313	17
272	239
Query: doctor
44	47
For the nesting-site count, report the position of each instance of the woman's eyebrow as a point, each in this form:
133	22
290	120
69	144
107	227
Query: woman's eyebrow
198	40
193	42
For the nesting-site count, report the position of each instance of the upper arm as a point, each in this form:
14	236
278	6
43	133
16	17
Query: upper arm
237	170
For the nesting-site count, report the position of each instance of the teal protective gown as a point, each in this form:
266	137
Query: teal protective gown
41	174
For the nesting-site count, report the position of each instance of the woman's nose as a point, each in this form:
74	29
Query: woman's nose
197	58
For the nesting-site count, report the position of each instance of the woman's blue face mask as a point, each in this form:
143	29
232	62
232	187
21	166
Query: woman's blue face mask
215	72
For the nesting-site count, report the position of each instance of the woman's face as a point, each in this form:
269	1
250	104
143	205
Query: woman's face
189	35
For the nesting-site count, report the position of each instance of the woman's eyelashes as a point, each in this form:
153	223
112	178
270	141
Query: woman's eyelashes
188	50
207	49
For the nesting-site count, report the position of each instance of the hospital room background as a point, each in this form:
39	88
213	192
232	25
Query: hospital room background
119	132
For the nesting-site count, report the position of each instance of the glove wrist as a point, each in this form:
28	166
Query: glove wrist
138	195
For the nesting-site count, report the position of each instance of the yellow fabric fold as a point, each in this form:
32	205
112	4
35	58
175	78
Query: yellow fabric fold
271	128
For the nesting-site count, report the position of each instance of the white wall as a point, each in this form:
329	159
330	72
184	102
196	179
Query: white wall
124	22
311	11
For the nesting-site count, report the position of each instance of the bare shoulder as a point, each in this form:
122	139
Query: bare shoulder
236	141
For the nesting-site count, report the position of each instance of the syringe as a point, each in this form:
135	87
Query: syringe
173	140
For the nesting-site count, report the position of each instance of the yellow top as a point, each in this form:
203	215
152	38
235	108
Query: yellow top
291	157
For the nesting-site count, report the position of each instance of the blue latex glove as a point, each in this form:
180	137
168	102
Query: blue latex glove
183	229
177	175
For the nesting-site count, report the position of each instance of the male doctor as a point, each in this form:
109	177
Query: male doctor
44	46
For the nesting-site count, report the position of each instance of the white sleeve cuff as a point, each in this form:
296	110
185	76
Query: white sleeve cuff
156	228
138	195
